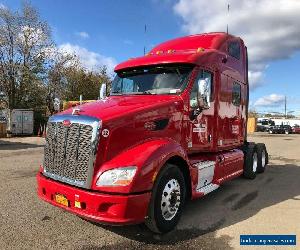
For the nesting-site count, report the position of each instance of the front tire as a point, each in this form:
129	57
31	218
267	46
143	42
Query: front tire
167	200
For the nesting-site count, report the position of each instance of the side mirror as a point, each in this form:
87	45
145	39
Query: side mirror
204	93
56	104
102	91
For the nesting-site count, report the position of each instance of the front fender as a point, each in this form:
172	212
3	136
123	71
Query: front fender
148	157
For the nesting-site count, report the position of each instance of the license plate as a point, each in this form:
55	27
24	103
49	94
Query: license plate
61	199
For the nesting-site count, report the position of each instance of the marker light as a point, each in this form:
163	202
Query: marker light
117	177
200	50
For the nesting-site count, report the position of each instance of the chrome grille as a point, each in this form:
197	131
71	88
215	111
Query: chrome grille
70	150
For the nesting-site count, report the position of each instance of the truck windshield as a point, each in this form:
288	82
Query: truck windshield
151	80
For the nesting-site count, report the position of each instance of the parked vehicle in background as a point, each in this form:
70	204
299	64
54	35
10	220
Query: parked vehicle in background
296	129
174	128
280	129
260	128
264	125
277	129
287	129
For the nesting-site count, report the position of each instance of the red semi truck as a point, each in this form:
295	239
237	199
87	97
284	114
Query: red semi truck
172	129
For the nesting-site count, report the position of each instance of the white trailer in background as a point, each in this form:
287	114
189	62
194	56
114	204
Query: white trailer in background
282	121
21	122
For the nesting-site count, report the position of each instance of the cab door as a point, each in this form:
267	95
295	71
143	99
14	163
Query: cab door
201	120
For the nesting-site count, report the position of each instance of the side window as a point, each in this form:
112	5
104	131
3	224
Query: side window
202	75
234	49
236	94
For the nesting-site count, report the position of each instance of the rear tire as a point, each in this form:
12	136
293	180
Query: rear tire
250	161
167	200
262	157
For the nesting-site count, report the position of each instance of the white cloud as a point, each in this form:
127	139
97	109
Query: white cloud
273	100
83	34
89	59
269	28
255	78
2	6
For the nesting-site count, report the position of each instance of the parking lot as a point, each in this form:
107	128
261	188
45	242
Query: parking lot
270	204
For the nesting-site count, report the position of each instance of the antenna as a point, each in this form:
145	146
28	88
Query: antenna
145	31
228	8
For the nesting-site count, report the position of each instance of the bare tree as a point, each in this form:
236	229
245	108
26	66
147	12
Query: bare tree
25	41
33	71
68	79
8	62
57	81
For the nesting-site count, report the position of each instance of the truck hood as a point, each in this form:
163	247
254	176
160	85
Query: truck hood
115	106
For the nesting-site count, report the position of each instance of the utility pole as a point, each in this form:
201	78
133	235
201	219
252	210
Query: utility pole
285	113
228	7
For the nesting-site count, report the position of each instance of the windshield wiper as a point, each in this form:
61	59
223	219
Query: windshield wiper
117	93
141	93
132	93
147	92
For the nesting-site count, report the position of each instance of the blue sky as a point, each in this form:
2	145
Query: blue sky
112	31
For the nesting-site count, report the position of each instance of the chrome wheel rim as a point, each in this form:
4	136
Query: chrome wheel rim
254	162
170	200
263	158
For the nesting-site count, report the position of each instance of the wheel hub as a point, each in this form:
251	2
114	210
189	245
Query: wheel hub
170	201
254	162
173	199
263	158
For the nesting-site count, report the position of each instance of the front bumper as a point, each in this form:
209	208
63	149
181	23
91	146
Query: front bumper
95	206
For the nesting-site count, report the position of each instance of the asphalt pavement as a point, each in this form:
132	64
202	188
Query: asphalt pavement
270	204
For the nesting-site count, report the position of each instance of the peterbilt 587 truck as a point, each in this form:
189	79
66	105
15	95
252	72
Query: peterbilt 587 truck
172	129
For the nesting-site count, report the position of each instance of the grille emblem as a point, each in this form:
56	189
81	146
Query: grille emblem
105	133
76	111
67	123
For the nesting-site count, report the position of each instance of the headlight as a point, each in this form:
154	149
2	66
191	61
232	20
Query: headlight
117	177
